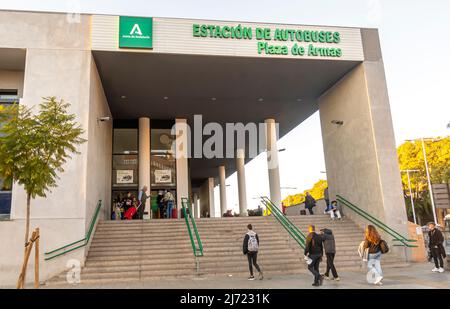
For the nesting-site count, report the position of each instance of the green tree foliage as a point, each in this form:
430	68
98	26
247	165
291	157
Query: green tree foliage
410	156
316	191
35	146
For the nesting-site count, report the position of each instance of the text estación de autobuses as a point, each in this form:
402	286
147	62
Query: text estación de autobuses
263	35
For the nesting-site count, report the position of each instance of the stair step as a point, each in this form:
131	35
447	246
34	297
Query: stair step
138	250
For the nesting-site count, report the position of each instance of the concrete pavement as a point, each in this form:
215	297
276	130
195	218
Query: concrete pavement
414	276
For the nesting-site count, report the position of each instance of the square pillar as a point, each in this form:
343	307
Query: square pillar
360	153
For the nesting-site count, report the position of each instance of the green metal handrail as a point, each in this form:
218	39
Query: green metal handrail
198	251
83	242
397	236
287	224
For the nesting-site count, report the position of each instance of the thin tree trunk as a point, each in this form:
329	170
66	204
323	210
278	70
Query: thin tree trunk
27	222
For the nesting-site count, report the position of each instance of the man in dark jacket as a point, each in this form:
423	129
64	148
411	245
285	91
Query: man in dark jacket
330	251
436	248
314	251
310	202
250	247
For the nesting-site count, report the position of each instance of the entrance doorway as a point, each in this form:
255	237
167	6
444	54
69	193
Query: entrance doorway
163	204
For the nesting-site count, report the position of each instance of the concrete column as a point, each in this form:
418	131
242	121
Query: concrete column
212	206
144	159
272	162
195	210
223	190
181	155
360	154
242	191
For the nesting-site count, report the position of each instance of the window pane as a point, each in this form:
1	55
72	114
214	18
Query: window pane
125	141
162	161
5	204
125	171
161	140
163	171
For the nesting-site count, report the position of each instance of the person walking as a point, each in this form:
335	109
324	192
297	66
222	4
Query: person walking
437	250
169	200
313	253
142	197
310	202
375	246
250	248
329	246
326	196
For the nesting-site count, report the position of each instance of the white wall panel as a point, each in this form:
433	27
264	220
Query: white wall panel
175	36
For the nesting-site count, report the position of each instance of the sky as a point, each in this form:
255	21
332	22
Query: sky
415	43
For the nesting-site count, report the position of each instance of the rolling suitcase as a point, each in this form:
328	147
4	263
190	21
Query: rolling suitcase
129	214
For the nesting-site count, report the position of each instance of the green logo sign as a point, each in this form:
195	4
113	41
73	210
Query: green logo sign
135	32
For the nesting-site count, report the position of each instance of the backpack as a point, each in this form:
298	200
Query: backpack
384	247
252	243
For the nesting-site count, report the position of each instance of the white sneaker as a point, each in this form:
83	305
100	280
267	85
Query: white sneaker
435	270
378	280
441	270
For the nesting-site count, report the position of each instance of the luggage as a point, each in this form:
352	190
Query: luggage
174	213
303	212
129	214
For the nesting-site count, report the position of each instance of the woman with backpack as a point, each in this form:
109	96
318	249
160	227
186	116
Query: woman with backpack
375	246
250	247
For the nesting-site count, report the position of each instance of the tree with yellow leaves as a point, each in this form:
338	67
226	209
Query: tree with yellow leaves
316	191
410	156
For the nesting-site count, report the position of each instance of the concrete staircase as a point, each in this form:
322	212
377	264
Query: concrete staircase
223	238
138	250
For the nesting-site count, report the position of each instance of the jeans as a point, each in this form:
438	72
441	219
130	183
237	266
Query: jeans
169	209
252	256
374	263
437	257
330	265
310	210
314	267
334	213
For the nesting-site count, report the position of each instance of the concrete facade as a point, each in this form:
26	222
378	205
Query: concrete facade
58	64
360	154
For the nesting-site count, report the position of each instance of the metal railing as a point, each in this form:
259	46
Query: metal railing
404	242
287	224
189	219
77	244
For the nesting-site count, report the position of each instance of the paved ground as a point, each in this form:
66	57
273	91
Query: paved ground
415	276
